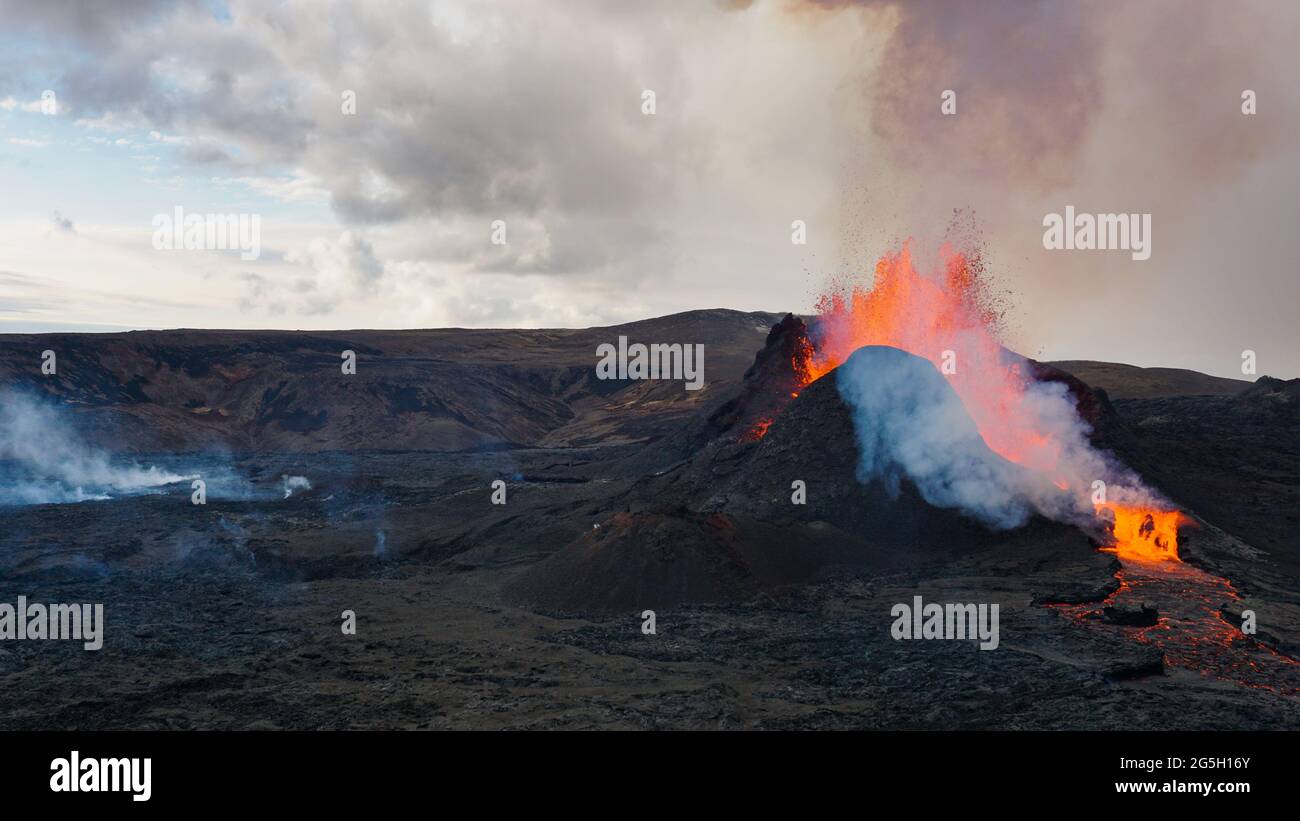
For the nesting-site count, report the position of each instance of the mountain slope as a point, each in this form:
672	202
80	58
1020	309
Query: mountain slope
446	389
1131	382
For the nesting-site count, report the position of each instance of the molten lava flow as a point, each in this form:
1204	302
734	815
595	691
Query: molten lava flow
1192	631
1144	534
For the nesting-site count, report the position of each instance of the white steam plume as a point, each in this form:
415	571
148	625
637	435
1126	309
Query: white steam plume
909	423
43	461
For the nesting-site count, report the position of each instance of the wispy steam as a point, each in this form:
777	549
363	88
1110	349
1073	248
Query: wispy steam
43	461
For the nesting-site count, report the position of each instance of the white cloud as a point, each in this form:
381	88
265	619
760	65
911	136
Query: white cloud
11	104
293	188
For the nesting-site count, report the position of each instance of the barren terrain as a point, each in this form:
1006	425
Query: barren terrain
622	497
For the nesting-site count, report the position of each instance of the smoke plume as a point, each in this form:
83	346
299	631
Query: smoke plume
43	461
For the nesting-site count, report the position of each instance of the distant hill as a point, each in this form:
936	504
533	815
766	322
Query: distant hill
444	389
1132	382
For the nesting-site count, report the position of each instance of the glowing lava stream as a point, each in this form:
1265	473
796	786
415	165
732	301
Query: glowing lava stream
1191	631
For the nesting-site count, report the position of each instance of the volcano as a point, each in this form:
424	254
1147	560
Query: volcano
623	497
726	516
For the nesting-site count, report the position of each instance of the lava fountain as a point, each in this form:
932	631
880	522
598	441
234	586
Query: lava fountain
953	318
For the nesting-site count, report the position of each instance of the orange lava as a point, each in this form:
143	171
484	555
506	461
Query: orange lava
951	317
948	318
802	362
758	431
1193	630
1144	534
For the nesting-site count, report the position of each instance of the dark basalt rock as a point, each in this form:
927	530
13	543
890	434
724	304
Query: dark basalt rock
1145	615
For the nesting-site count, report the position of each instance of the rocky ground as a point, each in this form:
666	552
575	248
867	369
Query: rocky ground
529	614
228	616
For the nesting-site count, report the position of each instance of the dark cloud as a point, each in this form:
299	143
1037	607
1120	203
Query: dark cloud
99	25
1026	74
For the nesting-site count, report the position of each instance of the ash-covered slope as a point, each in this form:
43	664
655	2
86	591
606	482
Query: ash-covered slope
448	389
813	441
724	523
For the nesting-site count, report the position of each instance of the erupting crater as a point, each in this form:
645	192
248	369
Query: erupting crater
953	318
1031	416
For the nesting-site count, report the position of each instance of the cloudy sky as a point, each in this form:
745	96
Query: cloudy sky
766	112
